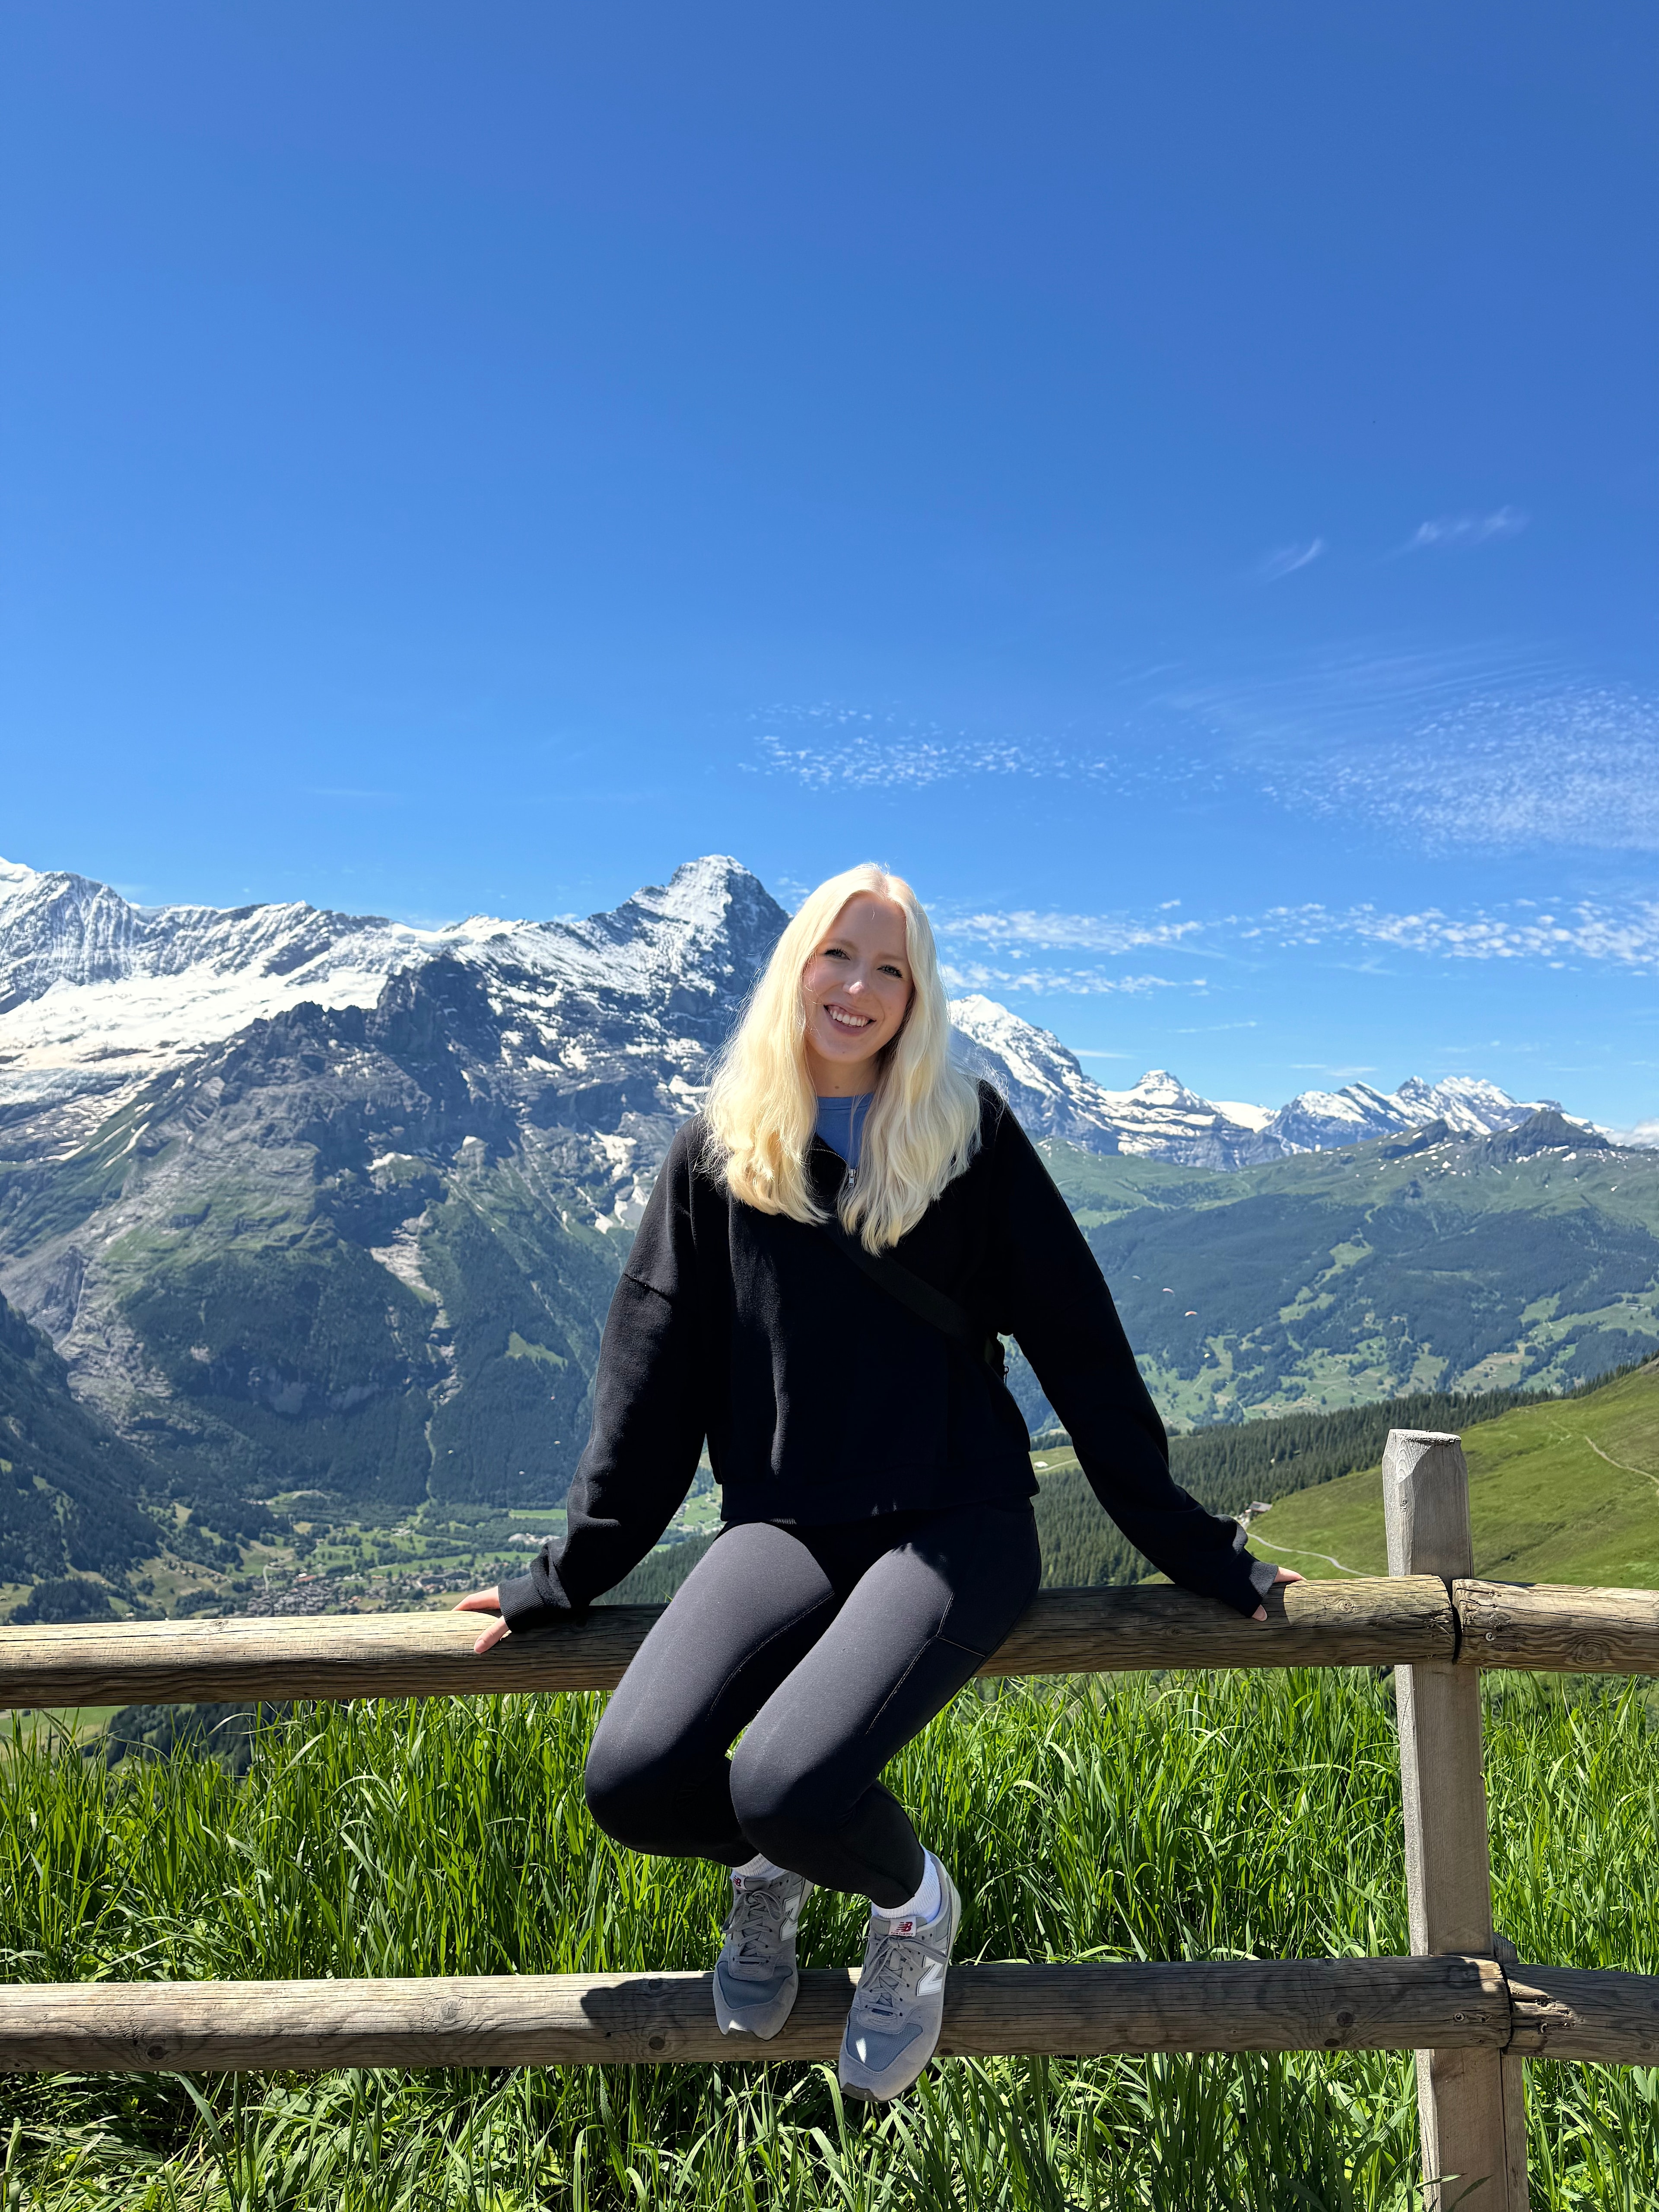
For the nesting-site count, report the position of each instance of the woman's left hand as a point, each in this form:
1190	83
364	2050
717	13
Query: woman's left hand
1284	1575
490	1600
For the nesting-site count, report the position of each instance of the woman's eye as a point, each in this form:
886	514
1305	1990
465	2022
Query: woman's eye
898	972
832	952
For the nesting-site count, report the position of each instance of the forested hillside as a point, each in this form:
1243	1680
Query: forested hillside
1230	1469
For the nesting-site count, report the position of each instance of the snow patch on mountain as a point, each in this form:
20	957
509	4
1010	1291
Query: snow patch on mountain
1040	1079
1245	1115
1161	1119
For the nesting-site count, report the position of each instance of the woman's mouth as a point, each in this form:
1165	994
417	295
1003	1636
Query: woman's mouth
844	1020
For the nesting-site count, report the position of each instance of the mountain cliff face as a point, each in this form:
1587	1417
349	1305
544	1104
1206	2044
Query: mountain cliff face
315	1201
68	1484
363	1246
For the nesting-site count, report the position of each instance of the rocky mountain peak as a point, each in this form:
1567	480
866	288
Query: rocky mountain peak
1158	1087
1547	1130
705	892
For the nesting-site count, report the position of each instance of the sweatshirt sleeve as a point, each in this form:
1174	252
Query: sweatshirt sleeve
1058	1308
647	1418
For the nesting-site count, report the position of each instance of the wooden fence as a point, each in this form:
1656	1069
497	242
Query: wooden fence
1463	2002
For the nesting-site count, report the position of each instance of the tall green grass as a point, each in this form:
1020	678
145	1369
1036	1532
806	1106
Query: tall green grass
1211	1816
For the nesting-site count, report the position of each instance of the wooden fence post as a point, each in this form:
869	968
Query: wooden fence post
1459	2094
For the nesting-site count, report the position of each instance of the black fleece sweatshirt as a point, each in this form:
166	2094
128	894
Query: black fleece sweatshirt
824	1400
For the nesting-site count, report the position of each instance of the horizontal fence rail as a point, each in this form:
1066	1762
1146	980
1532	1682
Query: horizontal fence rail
1370	1622
1443	2004
1556	1628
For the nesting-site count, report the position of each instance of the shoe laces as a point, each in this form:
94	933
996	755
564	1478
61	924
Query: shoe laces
754	1926
892	1965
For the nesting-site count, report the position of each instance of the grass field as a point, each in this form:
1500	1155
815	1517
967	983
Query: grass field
1566	1491
1126	1818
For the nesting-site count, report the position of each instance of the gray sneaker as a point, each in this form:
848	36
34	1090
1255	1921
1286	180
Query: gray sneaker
892	2030
755	1978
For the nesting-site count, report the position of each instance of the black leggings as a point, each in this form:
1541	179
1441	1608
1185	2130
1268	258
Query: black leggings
828	1649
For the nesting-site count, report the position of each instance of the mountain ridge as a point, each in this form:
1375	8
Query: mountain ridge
97	995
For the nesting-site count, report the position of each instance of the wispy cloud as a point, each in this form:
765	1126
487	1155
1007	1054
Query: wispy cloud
1565	766
1285	559
906	760
1447	531
1625	935
1498	747
833	745
1049	983
1067	932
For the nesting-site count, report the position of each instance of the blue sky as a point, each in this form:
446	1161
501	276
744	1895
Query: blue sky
1179	481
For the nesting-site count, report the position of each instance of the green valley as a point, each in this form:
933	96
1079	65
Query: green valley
1336	1279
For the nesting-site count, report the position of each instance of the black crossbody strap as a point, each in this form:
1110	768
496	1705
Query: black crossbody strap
920	1298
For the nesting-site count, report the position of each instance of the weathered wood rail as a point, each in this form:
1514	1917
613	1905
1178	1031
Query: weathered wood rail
1382	1622
1470	2010
1378	1621
572	2020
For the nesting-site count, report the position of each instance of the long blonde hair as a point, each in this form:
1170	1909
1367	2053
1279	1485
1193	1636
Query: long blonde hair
923	1126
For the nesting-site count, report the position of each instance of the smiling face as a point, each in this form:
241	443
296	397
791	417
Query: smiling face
856	990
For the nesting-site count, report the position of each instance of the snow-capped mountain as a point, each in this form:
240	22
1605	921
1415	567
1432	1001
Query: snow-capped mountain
306	1198
1159	1118
1040	1079
97	996
1318	1121
1047	1087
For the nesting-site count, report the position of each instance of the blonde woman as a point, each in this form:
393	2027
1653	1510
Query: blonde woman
817	1291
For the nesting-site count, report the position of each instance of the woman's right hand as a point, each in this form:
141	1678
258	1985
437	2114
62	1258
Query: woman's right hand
488	1601
1284	1575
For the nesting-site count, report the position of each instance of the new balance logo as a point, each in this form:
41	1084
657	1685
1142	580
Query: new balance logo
932	1982
903	1927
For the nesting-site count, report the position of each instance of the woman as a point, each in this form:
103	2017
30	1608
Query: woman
875	1480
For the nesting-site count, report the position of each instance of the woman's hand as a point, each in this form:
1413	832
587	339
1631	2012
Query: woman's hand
1284	1575
490	1600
